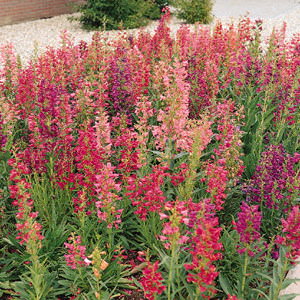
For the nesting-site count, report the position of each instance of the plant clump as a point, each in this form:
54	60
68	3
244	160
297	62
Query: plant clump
193	11
119	14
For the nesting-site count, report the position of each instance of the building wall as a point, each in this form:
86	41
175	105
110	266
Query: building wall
14	11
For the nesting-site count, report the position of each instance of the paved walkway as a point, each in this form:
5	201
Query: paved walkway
295	287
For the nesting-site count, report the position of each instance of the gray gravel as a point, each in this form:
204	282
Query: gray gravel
273	13
34	36
256	8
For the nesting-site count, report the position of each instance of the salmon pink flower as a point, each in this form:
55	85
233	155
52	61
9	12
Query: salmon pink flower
76	253
232	297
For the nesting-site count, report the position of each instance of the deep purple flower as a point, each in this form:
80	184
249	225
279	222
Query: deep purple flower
275	182
248	224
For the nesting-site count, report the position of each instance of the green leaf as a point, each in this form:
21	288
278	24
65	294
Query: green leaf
224	282
288	282
105	295
182	154
5	285
158	153
265	276
262	293
65	282
4	155
8	241
137	283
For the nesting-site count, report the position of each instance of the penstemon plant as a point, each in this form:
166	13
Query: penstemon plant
151	167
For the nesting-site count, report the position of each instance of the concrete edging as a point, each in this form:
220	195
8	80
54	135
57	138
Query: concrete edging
294	288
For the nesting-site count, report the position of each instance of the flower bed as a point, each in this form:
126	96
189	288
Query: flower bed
151	167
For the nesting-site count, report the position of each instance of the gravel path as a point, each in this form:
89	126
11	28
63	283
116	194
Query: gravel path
34	36
256	8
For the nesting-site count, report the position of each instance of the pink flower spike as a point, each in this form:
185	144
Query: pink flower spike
152	281
163	216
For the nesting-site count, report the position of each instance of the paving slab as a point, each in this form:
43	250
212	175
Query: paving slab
294	288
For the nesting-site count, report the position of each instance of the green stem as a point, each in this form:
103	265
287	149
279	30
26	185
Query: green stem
98	289
36	276
282	274
244	275
110	238
170	279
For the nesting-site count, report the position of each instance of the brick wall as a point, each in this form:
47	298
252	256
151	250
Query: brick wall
14	11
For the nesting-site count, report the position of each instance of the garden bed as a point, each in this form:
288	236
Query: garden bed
151	165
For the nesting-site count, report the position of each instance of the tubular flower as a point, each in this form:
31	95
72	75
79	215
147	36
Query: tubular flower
146	193
204	252
216	183
106	190
29	230
276	182
152	281
248	226
76	253
171	233
291	231
232	297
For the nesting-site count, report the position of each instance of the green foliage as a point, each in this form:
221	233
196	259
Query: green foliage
83	279
37	283
116	14
49	201
239	274
193	11
161	3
